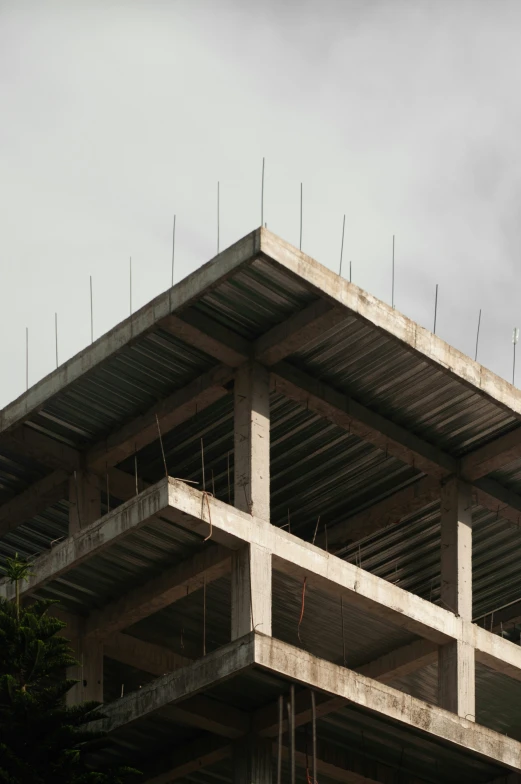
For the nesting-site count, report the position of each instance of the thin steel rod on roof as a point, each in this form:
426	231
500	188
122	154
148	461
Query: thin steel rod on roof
342	245
300	245
173	251
218	217
477	336
130	276
392	291
262	193
515	338
91	314
27	358
56	335
435	309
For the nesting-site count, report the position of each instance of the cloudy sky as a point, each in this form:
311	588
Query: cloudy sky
405	116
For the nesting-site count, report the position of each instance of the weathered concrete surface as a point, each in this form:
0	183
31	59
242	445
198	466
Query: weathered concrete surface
251	591
212	669
252	440
456	661
457	679
456	548
419	340
297	665
93	539
335	685
300	559
232	528
205	278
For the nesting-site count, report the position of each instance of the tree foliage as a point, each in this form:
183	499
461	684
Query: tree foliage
41	739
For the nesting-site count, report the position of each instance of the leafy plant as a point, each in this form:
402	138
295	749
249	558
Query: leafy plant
41	739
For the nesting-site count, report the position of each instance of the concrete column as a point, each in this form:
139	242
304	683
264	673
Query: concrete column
251	591
456	666
252	761
456	679
88	673
85	500
252	440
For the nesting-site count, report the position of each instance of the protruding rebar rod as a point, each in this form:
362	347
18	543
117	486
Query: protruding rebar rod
477	336
173	251
342	245
435	309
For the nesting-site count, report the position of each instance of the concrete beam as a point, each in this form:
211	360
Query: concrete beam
210	275
171	411
493	456
42	448
346	766
208	336
401	662
299	559
298	332
212	669
265	720
336	577
231	528
161	591
211	715
191	758
389	511
27	504
333	762
146	656
93	539
350	415
418	340
417	655
296	665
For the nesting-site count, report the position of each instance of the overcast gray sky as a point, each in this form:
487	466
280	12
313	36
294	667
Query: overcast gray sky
406	116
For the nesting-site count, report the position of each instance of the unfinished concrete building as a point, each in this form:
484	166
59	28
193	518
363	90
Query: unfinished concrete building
282	522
